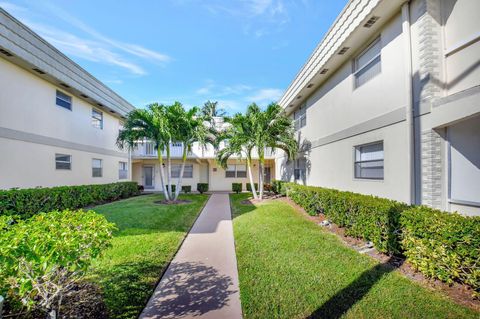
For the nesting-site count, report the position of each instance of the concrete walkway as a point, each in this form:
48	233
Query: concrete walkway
202	280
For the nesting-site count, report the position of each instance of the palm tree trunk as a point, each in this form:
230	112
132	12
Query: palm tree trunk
250	176
262	172
162	179
169	173
180	178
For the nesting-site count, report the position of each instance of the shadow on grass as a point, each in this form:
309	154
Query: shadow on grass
189	289
346	298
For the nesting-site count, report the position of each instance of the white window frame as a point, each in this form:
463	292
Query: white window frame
69	162
236	171
93	167
63	97
300	117
186	173
357	70
357	154
300	169
122	170
97	118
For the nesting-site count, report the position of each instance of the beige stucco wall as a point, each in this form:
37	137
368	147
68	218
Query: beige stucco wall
33	128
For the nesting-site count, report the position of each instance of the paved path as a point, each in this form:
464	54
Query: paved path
202	280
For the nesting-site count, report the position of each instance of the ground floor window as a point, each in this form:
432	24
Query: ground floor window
63	161
187	172
122	170
369	161
236	171
300	170
96	167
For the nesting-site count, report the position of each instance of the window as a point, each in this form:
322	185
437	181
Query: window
177	144
238	171
97	119
368	64
96	167
63	161
64	100
300	117
187	171
369	161
149	148
122	170
300	169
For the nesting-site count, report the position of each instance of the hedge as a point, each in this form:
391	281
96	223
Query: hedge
237	187
441	245
249	187
202	187
278	187
187	189
363	216
27	202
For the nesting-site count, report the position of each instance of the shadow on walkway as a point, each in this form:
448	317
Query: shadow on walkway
191	289
343	300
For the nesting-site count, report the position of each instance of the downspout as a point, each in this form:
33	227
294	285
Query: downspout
409	108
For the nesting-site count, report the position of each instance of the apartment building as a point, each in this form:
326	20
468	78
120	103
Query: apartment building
389	104
201	167
58	124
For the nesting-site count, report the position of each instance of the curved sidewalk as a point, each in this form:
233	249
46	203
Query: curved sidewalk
202	279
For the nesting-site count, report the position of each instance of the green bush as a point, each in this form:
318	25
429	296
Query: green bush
47	254
202	187
237	187
187	189
27	202
363	216
278	187
443	245
249	187
174	187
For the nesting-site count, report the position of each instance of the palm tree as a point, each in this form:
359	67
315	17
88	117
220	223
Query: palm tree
239	142
150	124
210	110
272	130
188	127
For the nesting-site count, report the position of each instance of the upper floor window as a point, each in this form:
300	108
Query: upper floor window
187	171
96	167
63	161
122	170
300	117
64	100
369	161
97	119
368	63
238	171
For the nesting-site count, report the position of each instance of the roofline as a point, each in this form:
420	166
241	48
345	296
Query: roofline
345	23
32	51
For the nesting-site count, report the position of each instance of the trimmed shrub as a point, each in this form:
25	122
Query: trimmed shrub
42	257
363	216
202	187
267	187
443	245
249	187
187	189
27	202
278	187
237	187
174	187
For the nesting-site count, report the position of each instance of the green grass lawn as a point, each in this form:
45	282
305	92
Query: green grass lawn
291	268
147	238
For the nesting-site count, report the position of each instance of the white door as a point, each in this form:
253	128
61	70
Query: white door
148	177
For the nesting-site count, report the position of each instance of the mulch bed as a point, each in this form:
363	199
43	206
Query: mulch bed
461	294
171	202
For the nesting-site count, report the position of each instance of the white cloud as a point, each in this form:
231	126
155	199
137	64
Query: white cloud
266	95
215	90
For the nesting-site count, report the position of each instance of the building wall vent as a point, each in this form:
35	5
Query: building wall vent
84	96
343	50
5	52
38	71
324	71
371	22
65	85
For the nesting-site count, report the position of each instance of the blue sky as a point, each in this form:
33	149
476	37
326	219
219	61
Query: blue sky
232	51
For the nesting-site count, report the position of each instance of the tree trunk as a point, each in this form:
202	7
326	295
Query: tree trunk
180	178
250	176
169	173
162	179
262	172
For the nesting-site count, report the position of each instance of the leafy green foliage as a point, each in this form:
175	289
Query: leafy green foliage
187	189
443	245
43	256
174	187
237	187
202	187
27	202
249	187
278	187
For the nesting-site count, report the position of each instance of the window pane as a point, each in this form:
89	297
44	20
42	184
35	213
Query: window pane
97	119
229	174
369	161
97	163
96	172
63	161
64	100
370	152
188	171
176	170
367	73
370	170
368	54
